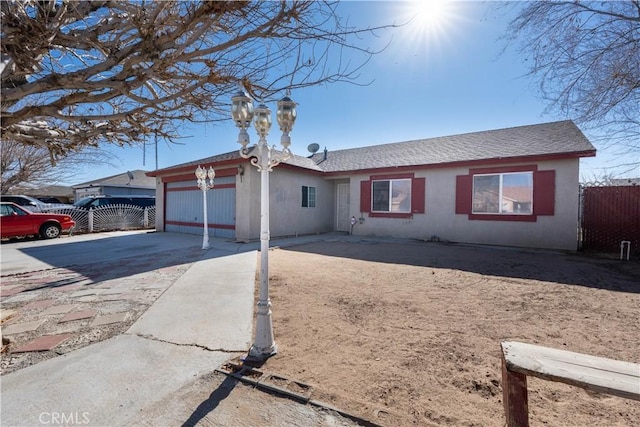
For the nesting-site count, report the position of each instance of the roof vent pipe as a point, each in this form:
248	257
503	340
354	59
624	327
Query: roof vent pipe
325	154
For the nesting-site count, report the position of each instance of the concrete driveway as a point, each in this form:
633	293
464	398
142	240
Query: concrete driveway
176	313
33	255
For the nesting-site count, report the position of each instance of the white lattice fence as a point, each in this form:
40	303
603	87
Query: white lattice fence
109	218
151	217
80	216
117	217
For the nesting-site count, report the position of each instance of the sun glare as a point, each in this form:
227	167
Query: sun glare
430	22
429	13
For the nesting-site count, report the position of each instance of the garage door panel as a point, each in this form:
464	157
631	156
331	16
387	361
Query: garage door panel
184	210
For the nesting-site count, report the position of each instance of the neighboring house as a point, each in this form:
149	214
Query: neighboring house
514	187
125	184
62	193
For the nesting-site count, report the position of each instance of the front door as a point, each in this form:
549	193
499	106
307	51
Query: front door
342	221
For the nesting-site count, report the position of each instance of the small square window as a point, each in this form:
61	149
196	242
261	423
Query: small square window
308	197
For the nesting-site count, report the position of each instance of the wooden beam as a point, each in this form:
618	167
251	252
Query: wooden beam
514	397
593	373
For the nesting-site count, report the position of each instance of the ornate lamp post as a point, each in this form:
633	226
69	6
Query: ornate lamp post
264	158
202	175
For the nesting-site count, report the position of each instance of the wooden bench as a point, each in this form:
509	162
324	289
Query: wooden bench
589	372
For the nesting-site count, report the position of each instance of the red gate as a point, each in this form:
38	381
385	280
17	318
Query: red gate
611	215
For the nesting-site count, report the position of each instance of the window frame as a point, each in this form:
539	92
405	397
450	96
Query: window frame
390	202
17	210
309	201
544	193
501	200
418	195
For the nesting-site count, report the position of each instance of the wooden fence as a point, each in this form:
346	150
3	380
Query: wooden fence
611	215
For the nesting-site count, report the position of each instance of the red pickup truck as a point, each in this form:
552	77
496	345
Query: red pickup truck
16	221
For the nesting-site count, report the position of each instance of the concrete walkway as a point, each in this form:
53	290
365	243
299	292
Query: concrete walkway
210	306
161	371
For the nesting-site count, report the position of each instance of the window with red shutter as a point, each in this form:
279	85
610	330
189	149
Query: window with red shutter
519	193
417	195
365	196
392	196
544	192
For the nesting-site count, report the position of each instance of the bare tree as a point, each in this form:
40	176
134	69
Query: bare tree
82	73
586	59
30	165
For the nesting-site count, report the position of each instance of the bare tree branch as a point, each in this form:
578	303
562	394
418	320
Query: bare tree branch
77	74
585	57
31	165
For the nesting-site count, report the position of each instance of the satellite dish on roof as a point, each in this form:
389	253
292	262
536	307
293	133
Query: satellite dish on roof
313	148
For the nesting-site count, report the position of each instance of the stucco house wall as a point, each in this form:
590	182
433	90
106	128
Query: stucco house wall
286	214
248	204
160	208
440	221
442	173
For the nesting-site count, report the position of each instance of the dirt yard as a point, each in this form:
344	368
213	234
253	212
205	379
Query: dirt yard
409	333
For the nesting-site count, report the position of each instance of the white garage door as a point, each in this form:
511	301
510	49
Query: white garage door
184	212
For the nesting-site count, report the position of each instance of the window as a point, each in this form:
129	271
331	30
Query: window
504	193
308	197
398	195
8	210
392	195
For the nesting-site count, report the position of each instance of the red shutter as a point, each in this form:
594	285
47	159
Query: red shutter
464	187
365	196
544	192
417	195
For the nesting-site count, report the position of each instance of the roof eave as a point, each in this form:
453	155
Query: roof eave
465	163
192	167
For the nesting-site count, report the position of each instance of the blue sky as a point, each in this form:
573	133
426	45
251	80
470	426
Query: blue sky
433	79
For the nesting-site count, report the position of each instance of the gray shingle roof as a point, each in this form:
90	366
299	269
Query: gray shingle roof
232	155
299	161
524	141
535	140
304	162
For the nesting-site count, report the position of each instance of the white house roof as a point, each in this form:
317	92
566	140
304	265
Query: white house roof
562	139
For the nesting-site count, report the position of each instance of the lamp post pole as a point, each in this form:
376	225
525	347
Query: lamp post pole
201	175
264	158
